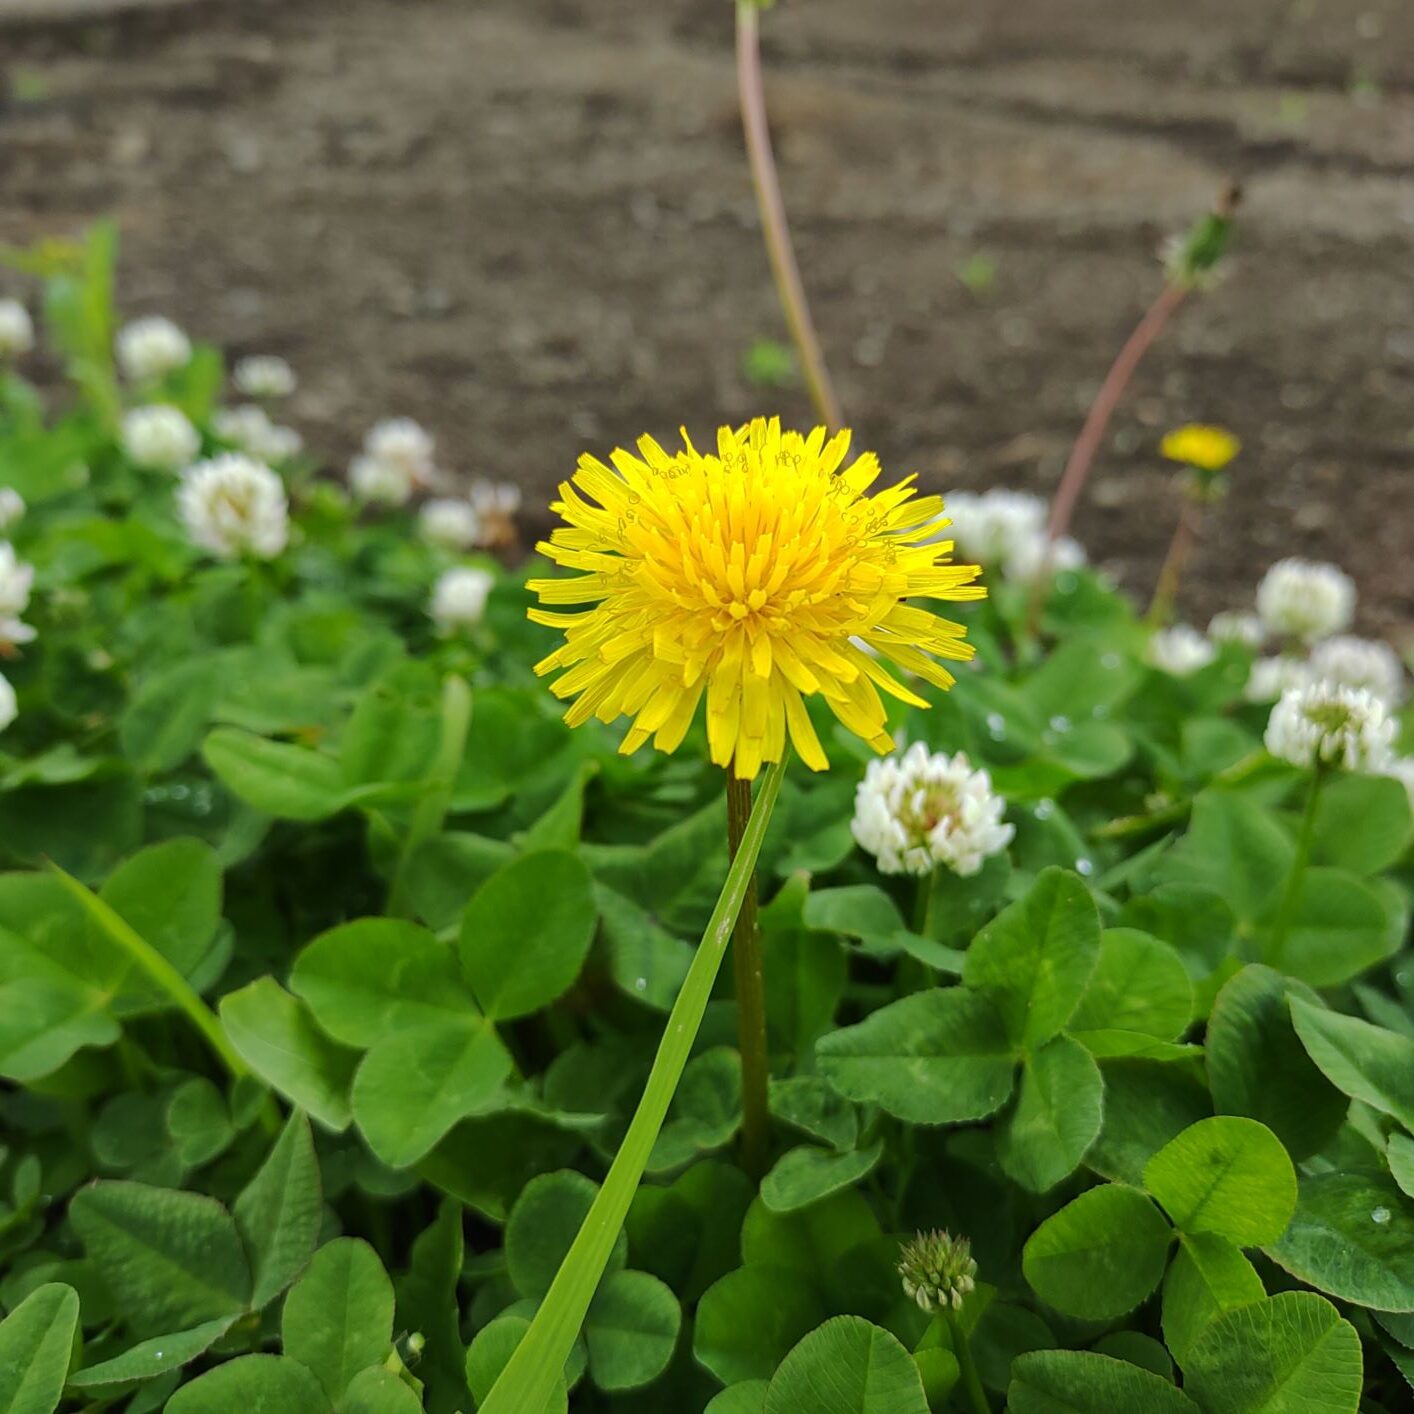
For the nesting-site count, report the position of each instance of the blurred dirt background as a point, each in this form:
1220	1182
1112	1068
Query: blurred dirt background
528	224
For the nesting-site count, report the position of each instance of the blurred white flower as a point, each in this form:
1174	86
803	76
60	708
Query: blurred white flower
402	443
249	427
16	579
496	503
991	527
9	708
917	810
378	482
1325	722
160	437
16	329
452	524
1360	662
1306	599
1031	554
1270	677
264	376
1180	650
234	505
151	348
459	598
12	508
1239	627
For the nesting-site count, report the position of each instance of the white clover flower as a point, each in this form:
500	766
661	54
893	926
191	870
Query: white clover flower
1270	677
249	427
1305	599
1325	722
1239	627
914	811
9	707
160	437
234	505
12	508
459	598
264	376
496	503
151	348
378	482
452	524
1360	662
402	443
1179	651
16	329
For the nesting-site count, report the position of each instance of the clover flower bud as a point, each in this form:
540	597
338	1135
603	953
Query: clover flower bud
938	1270
1325	723
264	376
1235	626
450	523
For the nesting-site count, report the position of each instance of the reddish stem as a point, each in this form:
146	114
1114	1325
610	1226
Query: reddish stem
767	183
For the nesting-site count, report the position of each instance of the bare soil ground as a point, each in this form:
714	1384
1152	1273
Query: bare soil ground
528	223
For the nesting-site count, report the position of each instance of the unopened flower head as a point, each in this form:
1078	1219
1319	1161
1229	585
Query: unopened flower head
16	329
450	523
1306	599
402	443
160	437
1360	662
12	508
1327	724
915	811
740	576
1180	650
1199	445
151	348
264	376
249	428
9	707
459	598
1236	626
234	505
938	1270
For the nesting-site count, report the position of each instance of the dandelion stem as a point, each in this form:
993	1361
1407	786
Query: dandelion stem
1185	538
1082	456
750	997
1287	913
770	204
965	1363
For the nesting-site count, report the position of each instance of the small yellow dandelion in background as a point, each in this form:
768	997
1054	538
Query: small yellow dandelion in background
742	577
1200	445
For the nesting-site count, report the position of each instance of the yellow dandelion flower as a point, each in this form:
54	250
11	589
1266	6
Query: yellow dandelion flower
754	577
1199	445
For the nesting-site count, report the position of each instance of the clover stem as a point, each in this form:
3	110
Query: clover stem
1304	838
750	997
965	1363
1185	537
923	903
769	202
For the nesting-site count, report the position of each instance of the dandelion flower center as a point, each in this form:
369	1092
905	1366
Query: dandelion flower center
742	576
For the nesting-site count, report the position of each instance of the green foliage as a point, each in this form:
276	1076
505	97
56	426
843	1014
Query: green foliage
367	1046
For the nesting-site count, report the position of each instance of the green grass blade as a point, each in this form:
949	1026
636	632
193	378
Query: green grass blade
532	1373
